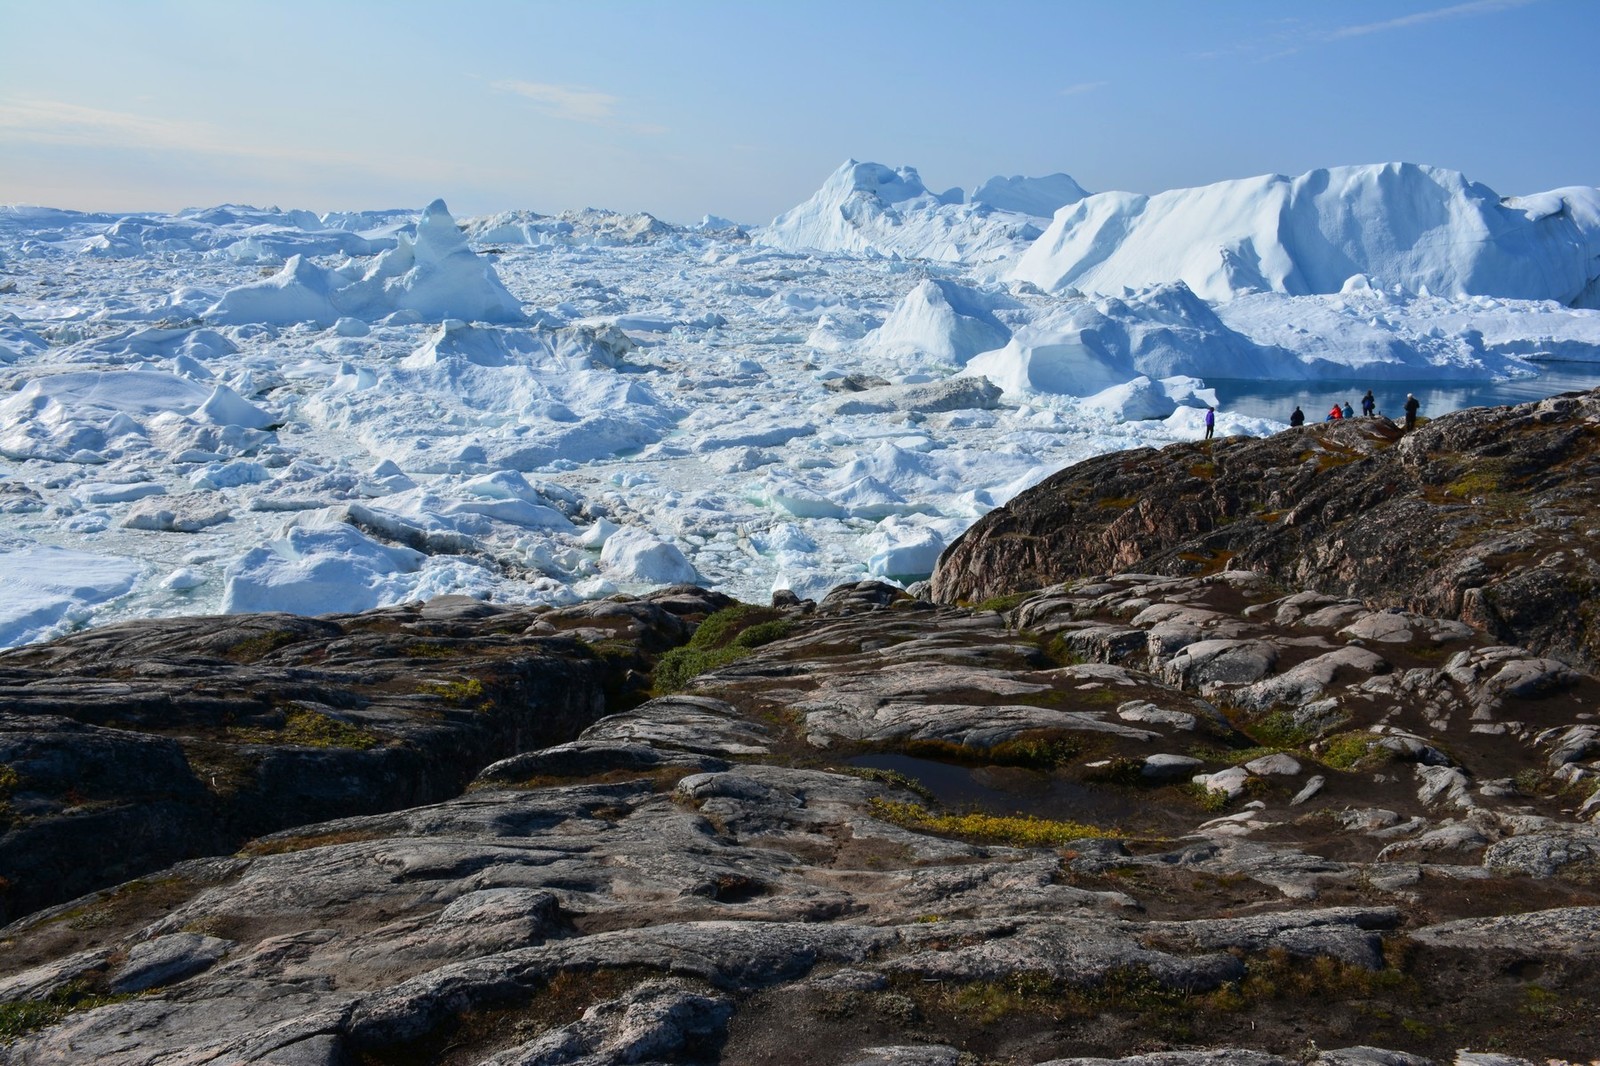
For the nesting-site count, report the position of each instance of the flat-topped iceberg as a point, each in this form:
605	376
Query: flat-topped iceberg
1423	228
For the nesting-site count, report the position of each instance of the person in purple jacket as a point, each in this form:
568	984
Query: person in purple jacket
1211	421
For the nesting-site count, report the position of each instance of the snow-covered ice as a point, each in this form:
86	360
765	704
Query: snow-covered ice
234	408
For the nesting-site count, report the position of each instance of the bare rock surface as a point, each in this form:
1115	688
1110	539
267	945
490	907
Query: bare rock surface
182	737
887	831
1485	516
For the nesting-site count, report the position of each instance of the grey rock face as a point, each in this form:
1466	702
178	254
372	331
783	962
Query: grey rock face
1353	510
167	959
695	878
655	1022
1542	854
1570	931
182	737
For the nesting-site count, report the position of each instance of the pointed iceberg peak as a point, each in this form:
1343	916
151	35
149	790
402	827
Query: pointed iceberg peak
437	232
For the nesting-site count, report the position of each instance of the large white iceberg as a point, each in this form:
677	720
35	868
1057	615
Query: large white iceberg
1397	223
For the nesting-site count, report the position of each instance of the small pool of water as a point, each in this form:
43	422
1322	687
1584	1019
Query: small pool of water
1275	399
1011	790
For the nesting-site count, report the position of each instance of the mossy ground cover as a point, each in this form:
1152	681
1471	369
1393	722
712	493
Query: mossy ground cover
19	1017
254	648
309	728
979	826
1286	1005
724	637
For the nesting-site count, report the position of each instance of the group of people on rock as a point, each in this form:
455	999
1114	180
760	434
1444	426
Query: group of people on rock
1369	407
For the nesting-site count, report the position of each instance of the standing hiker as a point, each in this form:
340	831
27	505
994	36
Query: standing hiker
1411	411
1211	421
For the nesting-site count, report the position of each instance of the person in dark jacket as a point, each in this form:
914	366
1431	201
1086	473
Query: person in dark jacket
1298	418
1412	407
1211	421
1368	404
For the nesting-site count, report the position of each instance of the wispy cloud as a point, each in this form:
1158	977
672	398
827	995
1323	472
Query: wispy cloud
1297	37
1421	18
1084	87
57	122
573	103
60	122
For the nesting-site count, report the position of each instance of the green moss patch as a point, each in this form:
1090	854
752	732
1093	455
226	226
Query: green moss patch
1022	832
724	637
307	728
20	1017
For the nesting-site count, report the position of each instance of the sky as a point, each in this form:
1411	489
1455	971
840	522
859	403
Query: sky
742	109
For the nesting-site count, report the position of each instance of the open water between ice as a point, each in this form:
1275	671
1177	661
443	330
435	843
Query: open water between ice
1276	399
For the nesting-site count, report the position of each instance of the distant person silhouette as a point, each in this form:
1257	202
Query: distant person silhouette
1211	421
1298	418
1368	404
1411	412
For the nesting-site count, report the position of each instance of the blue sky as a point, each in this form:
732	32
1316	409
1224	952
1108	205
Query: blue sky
742	109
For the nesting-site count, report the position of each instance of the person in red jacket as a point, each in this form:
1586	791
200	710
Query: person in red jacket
1335	414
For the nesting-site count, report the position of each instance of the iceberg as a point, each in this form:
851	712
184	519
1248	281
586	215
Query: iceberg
1396	223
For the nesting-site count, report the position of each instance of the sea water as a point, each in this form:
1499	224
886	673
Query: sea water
1276	399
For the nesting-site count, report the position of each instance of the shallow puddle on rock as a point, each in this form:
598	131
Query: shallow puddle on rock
1010	790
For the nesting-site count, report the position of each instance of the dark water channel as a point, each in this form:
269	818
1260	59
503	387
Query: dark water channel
1011	790
1275	399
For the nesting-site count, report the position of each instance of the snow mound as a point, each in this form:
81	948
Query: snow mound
941	319
903	548
868	209
17	342
634	555
1089	344
1419	227
316	571
434	274
50	589
1040	197
1133	401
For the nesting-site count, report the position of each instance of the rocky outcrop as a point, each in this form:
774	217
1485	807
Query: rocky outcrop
128	747
1486	515
1082	853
